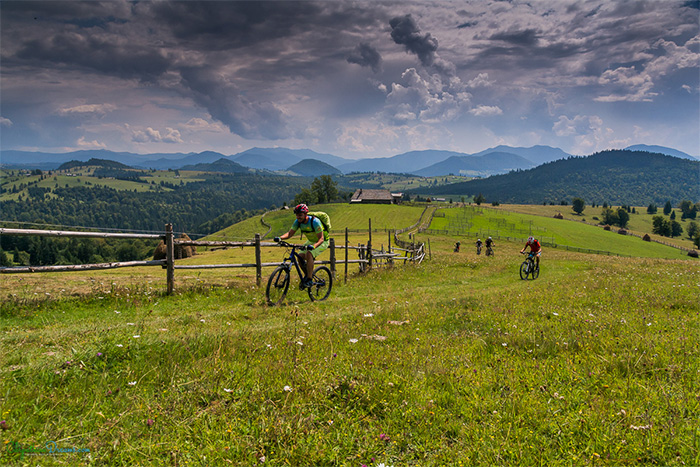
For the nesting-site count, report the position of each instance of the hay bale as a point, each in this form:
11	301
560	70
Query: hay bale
646	238
693	254
179	251
160	251
622	232
607	227
558	216
185	251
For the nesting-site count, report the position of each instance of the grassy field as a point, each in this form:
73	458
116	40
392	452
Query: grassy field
513	222
453	362
84	177
342	216
640	222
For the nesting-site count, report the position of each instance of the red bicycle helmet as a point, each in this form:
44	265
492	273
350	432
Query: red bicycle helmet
301	208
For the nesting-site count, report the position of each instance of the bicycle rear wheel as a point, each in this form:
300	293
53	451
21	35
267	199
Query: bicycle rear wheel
322	284
277	286
524	270
535	272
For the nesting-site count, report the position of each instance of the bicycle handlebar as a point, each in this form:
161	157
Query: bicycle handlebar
291	245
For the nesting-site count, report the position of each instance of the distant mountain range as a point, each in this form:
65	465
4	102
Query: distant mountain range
616	177
305	162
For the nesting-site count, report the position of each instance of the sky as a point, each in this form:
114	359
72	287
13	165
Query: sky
356	79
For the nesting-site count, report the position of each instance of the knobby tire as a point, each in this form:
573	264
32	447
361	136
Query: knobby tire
323	283
277	286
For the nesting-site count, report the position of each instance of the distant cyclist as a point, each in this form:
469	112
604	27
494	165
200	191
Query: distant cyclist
317	238
489	246
457	247
478	246
535	248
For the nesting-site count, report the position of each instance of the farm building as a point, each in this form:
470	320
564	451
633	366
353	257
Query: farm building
375	197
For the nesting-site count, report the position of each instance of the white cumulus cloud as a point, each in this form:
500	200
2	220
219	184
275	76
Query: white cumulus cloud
486	111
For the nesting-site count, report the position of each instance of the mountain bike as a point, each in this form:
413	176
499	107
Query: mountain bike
489	251
478	249
278	283
529	267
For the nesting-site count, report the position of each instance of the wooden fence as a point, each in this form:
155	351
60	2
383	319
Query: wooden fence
367	257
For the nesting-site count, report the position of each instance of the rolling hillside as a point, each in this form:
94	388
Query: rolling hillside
489	164
313	168
617	177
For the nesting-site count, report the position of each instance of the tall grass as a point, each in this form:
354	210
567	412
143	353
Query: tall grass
456	361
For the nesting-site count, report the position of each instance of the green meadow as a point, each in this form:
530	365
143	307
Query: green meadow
455	361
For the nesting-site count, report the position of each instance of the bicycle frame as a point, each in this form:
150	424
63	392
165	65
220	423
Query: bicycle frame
295	259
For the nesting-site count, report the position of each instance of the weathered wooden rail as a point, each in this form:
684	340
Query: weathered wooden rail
367	257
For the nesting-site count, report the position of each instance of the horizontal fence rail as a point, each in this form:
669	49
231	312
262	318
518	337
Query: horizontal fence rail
367	256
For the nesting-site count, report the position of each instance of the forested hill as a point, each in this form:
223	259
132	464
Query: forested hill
617	177
197	207
93	163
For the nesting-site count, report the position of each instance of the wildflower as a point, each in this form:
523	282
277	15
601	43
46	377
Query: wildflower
132	383
136	336
504	344
384	437
288	389
99	354
150	422
3	425
130	324
368	315
228	390
555	314
120	345
201	320
353	341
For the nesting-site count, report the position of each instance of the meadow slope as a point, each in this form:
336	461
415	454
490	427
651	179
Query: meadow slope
456	361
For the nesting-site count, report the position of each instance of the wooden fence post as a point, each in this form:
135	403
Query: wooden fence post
258	261
332	245
170	258
369	246
346	254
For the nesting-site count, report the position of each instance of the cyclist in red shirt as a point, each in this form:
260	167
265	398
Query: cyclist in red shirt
535	248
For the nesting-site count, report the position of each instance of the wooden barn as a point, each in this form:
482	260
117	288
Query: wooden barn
366	196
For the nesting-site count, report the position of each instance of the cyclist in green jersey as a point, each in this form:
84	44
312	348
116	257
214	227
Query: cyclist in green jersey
317	238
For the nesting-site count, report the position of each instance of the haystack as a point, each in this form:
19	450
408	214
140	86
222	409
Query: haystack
693	254
558	216
622	232
646	238
180	251
607	227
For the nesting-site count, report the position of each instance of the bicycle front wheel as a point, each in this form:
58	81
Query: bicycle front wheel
277	286
524	270
322	284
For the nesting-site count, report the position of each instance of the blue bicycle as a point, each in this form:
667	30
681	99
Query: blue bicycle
529	268
278	283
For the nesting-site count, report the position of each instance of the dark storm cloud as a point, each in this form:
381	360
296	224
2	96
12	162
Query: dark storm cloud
98	54
405	31
525	38
232	25
366	55
226	103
